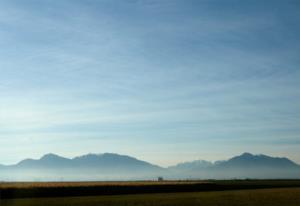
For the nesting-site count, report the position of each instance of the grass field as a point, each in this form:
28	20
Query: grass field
72	189
92	184
147	193
275	182
259	197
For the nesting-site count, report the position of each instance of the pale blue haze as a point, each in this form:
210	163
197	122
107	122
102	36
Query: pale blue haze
164	81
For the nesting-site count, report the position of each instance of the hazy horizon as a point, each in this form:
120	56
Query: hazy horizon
110	166
175	163
164	81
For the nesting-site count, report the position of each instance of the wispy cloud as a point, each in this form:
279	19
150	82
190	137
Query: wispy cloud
177	76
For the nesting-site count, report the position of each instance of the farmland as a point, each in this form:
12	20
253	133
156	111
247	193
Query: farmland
209	192
65	189
261	197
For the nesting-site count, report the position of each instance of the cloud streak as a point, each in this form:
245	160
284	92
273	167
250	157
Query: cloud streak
177	76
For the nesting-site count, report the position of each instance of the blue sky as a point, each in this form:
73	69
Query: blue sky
164	81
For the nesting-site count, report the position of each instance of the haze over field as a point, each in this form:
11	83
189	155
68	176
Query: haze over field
109	166
164	81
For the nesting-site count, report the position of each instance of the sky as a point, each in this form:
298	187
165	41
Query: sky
164	81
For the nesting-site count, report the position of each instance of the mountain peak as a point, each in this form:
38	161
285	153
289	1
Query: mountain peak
246	154
248	160
51	156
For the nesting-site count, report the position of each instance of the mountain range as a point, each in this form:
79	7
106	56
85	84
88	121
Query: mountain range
109	166
243	166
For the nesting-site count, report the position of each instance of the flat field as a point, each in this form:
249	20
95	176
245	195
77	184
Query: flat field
143	193
259	197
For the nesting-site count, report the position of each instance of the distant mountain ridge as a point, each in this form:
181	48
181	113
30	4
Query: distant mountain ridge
245	165
250	160
107	166
110	166
104	161
196	164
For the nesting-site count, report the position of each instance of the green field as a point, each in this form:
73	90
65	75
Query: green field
259	197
